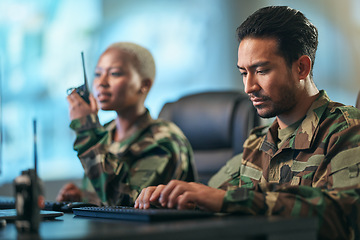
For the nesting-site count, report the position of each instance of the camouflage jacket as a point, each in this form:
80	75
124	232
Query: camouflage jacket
155	152
316	172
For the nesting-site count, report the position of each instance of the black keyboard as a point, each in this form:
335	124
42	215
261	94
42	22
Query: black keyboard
130	213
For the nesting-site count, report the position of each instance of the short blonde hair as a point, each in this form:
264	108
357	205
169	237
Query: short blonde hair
143	59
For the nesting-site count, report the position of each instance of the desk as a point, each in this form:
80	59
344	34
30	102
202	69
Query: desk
218	227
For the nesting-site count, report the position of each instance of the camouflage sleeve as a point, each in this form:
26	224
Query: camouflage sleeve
335	202
88	131
230	171
335	209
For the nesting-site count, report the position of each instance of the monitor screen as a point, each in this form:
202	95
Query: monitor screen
1	129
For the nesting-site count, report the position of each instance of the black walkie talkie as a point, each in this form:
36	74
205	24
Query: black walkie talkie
82	90
28	197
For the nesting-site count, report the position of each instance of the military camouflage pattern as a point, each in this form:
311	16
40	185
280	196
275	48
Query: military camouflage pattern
154	152
316	172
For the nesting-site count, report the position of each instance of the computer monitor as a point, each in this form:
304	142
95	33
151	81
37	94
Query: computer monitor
1	128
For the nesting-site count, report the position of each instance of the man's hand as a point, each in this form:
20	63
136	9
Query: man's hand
182	195
78	108
148	196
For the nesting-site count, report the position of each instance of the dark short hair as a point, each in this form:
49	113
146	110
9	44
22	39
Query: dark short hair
295	34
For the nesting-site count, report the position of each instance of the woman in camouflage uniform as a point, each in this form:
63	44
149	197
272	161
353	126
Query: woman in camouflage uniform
132	151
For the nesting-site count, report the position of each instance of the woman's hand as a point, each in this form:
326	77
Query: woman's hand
78	108
69	193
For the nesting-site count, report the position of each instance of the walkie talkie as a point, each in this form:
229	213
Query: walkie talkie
82	90
28	197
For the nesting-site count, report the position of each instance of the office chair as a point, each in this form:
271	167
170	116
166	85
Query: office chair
216	124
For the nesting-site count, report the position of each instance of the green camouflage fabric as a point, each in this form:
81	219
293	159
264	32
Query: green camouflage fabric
155	152
315	172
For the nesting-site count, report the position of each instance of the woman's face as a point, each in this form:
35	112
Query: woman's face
117	84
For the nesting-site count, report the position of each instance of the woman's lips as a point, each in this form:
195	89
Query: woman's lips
102	97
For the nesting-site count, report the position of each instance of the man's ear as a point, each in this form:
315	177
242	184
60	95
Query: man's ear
146	84
304	66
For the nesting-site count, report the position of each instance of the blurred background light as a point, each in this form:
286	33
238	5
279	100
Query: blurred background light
193	42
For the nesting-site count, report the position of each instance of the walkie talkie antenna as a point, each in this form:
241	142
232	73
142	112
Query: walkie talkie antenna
83	63
35	146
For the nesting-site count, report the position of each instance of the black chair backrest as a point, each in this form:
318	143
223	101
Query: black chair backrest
216	124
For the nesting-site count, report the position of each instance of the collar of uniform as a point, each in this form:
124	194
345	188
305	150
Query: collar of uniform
142	122
269	143
303	136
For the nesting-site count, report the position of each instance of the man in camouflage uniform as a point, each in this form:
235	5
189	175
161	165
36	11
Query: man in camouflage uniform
133	151
307	163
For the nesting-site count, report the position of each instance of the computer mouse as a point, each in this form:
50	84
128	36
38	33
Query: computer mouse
69	206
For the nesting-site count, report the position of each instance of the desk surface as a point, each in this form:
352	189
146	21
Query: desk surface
218	227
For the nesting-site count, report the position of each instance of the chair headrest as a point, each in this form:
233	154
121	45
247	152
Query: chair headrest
205	118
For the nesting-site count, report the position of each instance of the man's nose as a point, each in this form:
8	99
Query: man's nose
250	83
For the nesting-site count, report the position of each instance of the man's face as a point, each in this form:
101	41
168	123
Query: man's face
268	80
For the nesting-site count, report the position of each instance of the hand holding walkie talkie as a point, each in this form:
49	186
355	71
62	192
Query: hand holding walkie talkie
81	103
82	90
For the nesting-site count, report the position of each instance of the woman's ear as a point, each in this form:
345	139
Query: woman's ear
146	84
304	66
